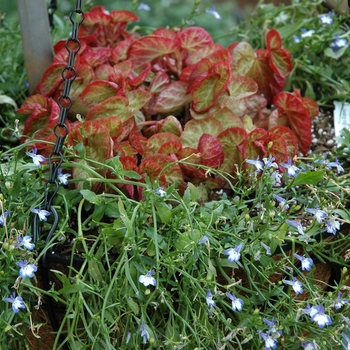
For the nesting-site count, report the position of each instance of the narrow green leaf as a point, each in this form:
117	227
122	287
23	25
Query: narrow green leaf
91	197
309	178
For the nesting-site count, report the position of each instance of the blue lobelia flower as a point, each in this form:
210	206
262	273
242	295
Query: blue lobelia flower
326	18
63	178
237	303
332	225
234	253
281	201
259	165
335	164
320	215
3	217
306	263
338	43
41	213
339	301
203	240
297	225
143	7
26	270
320	317
25	242
37	158
147	279
144	333
296	285
346	341
209	299
292	170
17	302
160	192
270	341
213	12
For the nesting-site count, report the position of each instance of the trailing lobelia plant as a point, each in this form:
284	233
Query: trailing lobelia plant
168	103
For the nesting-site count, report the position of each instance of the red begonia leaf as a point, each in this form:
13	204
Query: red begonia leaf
170	124
298	118
138	141
97	146
161	165
241	86
139	74
211	151
137	99
251	150
194	38
123	16
172	97
128	126
229	139
156	141
97	92
151	47
52	78
113	124
170	147
203	52
120	52
242	57
159	82
95	56
113	106
289	137
195	128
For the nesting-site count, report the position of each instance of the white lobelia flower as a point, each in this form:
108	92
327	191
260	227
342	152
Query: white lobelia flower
147	279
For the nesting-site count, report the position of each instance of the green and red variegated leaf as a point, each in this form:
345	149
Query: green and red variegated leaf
137	99
276	145
103	72
139	74
291	140
128	126
97	92
150	48
156	141
229	139
194	38
97	146
169	124
242	56
211	151
309	104
161	166
128	162
159	82
120	52
201	53
166	33
281	62
206	91
113	106
170	148
196	73
98	18
138	141
172	97
95	56
227	117
40	116
123	16
241	86
269	82
298	118
251	150
113	124
273	40
125	148
123	68
238	107
195	128
52	78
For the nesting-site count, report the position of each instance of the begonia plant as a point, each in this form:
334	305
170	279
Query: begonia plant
174	95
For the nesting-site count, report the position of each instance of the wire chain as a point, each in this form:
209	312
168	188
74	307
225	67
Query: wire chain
51	11
55	159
